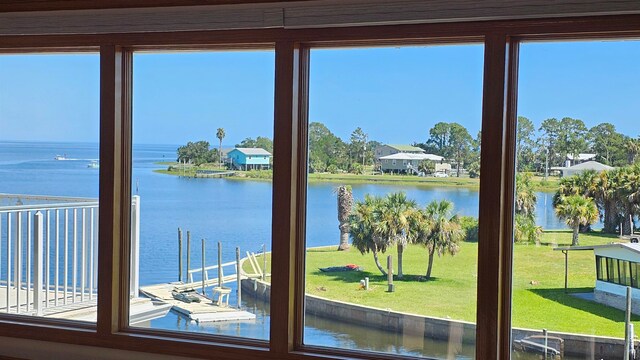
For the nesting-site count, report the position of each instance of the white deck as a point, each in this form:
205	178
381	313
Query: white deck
203	311
141	309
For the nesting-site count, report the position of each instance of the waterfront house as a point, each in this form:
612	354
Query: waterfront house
582	167
406	162
388	149
249	159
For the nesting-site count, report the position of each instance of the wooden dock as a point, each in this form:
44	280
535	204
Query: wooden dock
204	311
213	173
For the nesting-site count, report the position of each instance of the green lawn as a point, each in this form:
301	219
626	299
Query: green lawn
538	285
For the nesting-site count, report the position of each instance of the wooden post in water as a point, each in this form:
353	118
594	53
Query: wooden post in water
219	264
180	254
239	278
188	254
390	274
203	262
264	262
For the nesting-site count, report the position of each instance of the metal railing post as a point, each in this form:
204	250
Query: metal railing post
38	258
17	271
135	246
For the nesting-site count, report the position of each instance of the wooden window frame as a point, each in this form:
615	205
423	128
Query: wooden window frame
501	43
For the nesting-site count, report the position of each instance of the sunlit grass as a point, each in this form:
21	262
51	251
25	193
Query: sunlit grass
539	299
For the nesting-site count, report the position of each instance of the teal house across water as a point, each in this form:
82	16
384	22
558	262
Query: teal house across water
249	159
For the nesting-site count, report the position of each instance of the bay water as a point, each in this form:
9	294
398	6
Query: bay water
238	213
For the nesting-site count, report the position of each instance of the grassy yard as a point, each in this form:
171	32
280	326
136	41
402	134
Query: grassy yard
538	285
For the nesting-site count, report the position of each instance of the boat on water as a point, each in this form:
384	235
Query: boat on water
61	157
550	348
94	164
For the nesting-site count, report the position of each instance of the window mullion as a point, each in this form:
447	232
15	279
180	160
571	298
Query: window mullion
115	189
286	174
497	180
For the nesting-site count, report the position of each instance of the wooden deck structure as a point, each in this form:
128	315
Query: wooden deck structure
204	311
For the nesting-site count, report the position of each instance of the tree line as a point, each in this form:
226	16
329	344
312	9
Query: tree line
615	195
611	196
568	136
536	149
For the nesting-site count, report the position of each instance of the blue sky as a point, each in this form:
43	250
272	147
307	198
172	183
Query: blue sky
394	94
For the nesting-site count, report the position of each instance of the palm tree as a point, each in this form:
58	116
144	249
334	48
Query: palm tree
220	135
583	184
605	198
394	223
345	203
525	196
440	232
577	210
363	223
633	149
628	195
632	184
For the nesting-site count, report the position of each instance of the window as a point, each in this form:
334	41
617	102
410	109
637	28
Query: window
574	150
601	268
482	317
394	259
49	208
199	217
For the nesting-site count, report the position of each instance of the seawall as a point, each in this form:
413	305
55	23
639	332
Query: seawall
577	345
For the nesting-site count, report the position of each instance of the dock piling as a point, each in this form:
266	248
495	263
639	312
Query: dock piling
546	342
189	255
180	254
203	266
264	262
238	277
219	264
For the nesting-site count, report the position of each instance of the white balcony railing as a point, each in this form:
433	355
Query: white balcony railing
48	253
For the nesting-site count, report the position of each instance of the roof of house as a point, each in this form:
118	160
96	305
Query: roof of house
591	165
587	165
253	151
405	148
634	247
581	157
408	156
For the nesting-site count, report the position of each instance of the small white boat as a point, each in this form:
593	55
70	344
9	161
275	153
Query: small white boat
94	164
60	157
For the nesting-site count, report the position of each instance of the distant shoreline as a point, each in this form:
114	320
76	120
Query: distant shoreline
345	178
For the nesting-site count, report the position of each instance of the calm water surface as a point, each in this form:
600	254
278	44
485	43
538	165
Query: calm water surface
237	213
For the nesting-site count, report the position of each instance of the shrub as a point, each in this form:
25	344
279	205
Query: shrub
526	230
356	168
470	227
333	169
